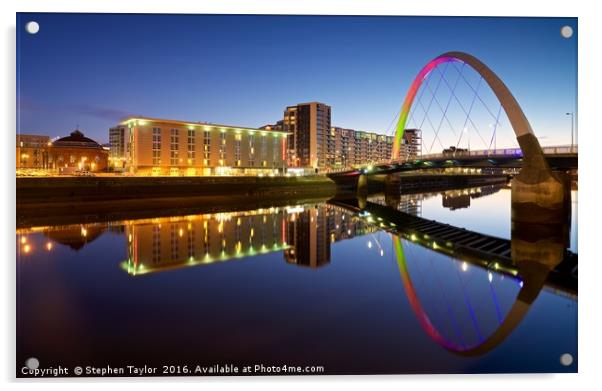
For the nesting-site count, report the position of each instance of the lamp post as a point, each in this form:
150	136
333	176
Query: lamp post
572	128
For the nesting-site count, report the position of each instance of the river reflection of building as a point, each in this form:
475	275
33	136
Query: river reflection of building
451	199
303	233
458	199
311	232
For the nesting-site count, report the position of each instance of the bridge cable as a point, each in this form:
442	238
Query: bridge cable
421	279
450	311
464	127
493	135
471	312
445	111
464	110
496	303
434	98
484	104
412	117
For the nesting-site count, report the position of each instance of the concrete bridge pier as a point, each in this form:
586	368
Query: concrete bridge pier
539	195
392	190
537	249
362	185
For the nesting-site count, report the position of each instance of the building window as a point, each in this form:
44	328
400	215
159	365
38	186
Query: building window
237	144
156	146
191	144
191	252
174	242
156	244
222	148
264	147
207	146
174	153
206	238
251	150
275	149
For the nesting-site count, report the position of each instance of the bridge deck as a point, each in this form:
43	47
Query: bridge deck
558	161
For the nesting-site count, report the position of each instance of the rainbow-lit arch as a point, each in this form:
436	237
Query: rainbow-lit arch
517	118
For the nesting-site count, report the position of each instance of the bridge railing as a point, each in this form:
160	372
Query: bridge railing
500	152
505	152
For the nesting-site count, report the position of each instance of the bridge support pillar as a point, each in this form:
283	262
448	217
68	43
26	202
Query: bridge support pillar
392	183
538	194
392	191
537	249
362	185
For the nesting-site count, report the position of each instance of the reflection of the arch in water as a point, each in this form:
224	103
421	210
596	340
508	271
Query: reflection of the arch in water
536	254
532	282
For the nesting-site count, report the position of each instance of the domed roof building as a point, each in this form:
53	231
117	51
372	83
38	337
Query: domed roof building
76	139
77	152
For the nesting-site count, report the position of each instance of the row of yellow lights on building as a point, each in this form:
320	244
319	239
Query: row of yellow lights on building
143	122
207	259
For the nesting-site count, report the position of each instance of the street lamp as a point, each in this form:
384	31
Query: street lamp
572	128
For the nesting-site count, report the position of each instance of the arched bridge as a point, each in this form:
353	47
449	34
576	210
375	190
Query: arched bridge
536	176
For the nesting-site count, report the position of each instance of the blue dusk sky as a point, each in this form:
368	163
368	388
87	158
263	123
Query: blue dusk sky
91	70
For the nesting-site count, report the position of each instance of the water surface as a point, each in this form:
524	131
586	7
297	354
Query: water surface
310	284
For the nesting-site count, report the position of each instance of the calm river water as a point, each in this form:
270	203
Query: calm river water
303	285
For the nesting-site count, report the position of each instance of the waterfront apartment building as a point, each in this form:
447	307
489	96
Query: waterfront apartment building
308	126
355	148
178	148
314	143
350	147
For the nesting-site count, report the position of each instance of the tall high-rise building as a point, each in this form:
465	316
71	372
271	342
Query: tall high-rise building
308	125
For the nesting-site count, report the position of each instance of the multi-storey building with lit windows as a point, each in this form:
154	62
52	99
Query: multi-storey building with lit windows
180	148
32	151
308	125
313	143
353	147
